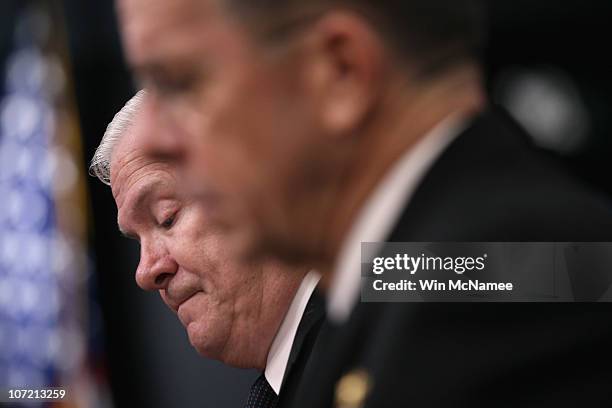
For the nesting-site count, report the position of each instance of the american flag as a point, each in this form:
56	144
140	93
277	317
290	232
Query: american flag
42	257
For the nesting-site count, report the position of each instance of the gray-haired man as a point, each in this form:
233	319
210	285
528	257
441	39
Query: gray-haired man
249	316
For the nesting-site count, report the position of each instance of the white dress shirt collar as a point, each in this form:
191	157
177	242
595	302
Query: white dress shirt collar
381	212
278	356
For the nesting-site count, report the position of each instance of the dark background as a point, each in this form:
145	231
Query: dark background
547	54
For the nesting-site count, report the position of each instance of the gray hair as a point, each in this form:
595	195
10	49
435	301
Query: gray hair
100	166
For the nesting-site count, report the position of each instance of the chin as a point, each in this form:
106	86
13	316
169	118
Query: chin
201	341
228	359
215	348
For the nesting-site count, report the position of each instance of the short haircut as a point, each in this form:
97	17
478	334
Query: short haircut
100	166
432	33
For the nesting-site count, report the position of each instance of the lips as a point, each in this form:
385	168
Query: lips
175	300
182	311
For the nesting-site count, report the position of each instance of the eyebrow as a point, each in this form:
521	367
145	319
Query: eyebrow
151	70
144	193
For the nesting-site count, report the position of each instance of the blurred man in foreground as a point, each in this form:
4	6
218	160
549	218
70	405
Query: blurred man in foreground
261	315
311	127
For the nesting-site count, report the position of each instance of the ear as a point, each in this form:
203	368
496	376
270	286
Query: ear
344	70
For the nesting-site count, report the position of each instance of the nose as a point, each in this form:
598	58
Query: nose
156	267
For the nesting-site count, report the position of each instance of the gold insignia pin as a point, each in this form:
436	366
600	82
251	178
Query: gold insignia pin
352	389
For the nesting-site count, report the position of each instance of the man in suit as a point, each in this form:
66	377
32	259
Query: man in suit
262	315
310	127
489	185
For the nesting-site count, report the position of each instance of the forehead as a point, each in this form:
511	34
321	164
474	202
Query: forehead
141	184
134	168
141	188
152	27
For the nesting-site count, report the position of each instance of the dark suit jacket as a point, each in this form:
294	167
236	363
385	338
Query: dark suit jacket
301	349
489	185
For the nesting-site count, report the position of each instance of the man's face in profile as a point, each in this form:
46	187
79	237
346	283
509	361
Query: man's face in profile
221	303
237	113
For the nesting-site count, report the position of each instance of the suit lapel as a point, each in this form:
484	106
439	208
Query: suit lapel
311	320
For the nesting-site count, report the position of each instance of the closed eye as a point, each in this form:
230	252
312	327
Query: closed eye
168	222
164	212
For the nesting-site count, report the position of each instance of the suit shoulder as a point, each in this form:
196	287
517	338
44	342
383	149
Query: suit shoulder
491	184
